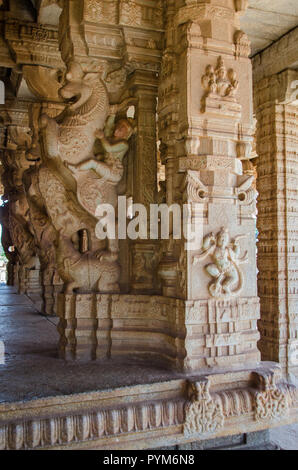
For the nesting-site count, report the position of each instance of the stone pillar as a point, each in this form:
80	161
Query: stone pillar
44	233
17	140
205	123
277	140
119	45
143	86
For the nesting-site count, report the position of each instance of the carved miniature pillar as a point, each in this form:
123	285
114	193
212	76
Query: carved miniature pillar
205	121
143	86
277	166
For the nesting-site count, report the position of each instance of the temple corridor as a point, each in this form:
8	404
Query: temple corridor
149	214
31	357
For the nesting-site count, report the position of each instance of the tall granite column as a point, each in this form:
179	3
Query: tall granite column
205	124
277	183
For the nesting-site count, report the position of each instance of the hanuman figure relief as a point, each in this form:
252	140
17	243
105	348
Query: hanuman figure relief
227	277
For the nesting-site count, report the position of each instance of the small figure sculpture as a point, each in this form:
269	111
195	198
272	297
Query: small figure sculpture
234	83
224	269
102	188
115	148
220	82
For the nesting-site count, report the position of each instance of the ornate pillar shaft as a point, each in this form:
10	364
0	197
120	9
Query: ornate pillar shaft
17	219
143	86
277	140
43	230
205	121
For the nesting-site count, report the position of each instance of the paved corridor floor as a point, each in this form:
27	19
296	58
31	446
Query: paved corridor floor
32	369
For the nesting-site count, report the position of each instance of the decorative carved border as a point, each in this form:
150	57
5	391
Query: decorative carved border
147	415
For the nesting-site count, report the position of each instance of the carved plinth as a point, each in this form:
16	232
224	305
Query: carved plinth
81	316
99	326
186	335
227	109
221	333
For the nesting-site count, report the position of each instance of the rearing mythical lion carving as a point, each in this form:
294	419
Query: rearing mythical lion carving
71	134
68	142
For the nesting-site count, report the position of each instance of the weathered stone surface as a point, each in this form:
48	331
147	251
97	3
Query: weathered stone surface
151	101
277	169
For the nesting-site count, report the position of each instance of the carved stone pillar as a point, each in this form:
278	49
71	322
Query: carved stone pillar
17	141
143	86
44	233
205	123
75	179
277	140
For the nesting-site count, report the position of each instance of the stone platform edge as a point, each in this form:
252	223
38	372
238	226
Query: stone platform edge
147	416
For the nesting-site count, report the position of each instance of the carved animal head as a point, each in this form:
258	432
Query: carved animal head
79	87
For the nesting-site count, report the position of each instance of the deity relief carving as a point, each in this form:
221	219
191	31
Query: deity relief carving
227	277
220	87
204	414
219	81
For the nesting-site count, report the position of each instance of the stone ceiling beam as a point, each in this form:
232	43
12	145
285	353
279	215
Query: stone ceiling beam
281	55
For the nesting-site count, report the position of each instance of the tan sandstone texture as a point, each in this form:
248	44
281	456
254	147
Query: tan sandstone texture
151	100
